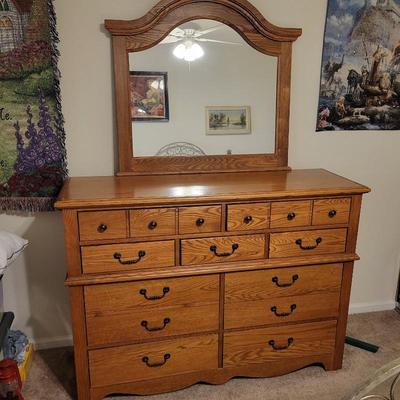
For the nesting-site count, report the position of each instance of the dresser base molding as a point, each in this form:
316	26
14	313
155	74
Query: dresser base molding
213	377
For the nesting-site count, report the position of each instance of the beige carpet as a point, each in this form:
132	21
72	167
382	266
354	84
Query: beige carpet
52	378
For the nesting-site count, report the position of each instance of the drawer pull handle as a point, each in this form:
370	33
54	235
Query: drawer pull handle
299	243
152	225
143	292
213	248
280	348
102	228
274	309
156	365
118	257
275	279
200	222
291	216
145	325
248	219
332	213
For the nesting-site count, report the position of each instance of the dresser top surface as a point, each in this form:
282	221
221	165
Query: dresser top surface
94	192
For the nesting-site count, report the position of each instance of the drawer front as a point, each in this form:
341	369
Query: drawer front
126	312
153	222
245	217
98	225
125	364
303	243
291	214
122	257
199	219
279	343
223	249
331	211
281	310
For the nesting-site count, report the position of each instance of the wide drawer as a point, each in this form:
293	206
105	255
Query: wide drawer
303	243
223	249
126	312
245	217
288	214
122	257
153	222
152	360
199	219
99	225
331	211
279	343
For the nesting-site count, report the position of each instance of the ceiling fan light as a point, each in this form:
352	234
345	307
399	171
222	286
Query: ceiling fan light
193	52
180	51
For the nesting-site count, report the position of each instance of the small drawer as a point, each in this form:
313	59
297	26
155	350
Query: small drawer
139	362
199	219
122	257
279	343
305	243
153	222
331	211
223	249
290	214
127	312
246	217
98	225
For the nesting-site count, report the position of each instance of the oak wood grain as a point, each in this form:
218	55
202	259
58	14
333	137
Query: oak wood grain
152	222
331	211
99	259
204	219
291	213
248	217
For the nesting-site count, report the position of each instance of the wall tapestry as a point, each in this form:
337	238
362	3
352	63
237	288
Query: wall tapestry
360	77
32	152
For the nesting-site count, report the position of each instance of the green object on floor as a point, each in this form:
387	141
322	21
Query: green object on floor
361	345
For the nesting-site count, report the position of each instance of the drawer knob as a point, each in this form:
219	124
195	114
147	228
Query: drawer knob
274	309
299	243
143	292
102	228
118	256
152	225
145	325
213	248
200	222
146	360
248	219
291	216
275	279
332	213
279	348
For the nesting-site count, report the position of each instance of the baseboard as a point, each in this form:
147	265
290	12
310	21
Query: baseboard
52	343
361	308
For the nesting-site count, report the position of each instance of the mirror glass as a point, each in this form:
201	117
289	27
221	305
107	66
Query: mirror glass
203	91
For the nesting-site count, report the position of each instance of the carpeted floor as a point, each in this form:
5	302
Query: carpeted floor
52	375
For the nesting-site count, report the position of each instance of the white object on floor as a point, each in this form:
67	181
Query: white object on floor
11	246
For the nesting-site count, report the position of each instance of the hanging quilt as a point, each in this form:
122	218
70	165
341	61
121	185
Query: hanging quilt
360	77
32	152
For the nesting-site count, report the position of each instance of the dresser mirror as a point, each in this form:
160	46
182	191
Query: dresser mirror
201	87
202	91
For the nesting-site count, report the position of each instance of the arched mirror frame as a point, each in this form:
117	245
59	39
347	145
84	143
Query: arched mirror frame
151	29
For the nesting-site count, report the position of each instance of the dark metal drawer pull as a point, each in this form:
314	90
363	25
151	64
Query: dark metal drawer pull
102	228
156	365
152	225
275	279
248	219
299	243
213	248
274	309
278	348
118	257
332	213
291	216
143	292
200	222
145	325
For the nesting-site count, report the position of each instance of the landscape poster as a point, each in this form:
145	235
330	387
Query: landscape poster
360	77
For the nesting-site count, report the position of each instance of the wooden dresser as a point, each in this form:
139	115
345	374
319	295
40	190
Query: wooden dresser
181	279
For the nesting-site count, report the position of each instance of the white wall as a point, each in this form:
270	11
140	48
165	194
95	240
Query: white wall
34	286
